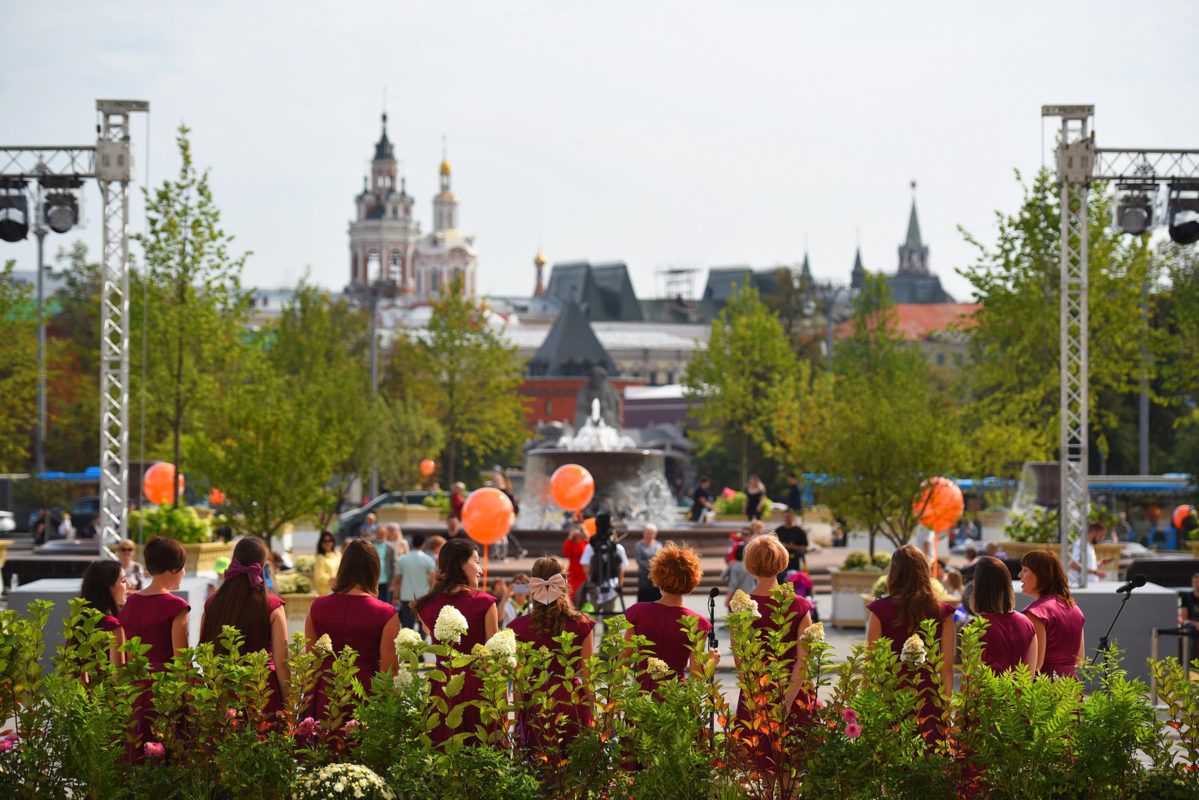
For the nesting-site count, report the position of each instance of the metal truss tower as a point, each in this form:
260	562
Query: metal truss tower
1079	163
110	162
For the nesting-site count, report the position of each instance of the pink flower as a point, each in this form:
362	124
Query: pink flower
853	730
155	749
849	715
231	713
352	725
820	705
307	727
7	744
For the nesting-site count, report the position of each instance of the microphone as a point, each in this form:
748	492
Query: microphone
712	595
1134	582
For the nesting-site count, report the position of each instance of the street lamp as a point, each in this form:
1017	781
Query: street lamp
372	293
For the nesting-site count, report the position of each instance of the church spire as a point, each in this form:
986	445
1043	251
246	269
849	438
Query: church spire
857	279
913	253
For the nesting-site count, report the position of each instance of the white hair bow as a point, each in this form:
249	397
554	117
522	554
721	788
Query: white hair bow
547	591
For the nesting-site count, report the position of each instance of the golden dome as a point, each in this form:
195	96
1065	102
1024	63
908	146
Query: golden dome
445	166
540	259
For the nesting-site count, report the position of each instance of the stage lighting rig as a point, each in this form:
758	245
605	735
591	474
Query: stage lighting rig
1134	207
14	210
1182	214
60	206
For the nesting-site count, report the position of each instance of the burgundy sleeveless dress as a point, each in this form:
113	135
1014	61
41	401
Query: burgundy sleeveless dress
1063	634
255	641
474	605
662	625
350	620
928	687
150	617
536	730
765	752
109	623
1006	640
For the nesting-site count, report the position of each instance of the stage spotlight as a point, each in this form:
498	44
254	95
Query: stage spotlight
14	212
62	212
1134	210
1183	213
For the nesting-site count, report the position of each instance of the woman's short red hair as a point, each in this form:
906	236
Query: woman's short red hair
675	570
765	556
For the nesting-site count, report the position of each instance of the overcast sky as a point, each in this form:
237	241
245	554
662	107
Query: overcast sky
692	134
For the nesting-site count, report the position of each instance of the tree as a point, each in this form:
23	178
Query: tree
18	371
197	308
464	377
742	379
886	430
405	433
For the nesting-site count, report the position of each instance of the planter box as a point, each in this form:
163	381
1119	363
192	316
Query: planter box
849	609
201	557
1021	549
1112	551
297	607
405	515
1191	544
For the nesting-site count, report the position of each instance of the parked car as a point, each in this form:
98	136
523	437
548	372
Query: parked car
349	523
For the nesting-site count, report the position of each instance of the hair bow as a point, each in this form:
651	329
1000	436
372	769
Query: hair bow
548	590
251	571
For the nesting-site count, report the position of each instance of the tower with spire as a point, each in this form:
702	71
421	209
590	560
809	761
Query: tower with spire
913	253
446	254
913	283
383	236
857	278
539	265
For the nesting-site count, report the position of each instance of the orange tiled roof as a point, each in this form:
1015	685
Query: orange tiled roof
917	321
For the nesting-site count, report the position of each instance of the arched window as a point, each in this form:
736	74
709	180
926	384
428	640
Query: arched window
372	263
397	265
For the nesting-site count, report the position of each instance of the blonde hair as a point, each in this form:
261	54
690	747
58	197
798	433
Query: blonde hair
765	556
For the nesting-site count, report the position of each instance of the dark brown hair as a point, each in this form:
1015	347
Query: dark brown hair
675	570
1051	578
454	553
163	555
993	593
359	567
239	605
550	620
326	536
910	585
98	580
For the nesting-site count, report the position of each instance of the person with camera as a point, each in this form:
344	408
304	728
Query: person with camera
605	560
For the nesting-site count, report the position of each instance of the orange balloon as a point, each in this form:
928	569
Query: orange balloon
572	487
160	484
216	496
940	504
487	515
589	527
427	467
1180	515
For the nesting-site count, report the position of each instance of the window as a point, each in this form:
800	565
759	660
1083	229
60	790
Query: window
548	408
653	377
372	263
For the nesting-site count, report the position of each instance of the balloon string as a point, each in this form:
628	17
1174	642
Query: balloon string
486	548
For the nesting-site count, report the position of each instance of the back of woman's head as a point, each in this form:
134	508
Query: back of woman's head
240	602
1051	578
993	593
450	568
909	583
359	568
675	570
96	587
765	556
163	555
548	581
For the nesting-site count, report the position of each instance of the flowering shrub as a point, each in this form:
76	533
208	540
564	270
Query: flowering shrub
182	524
342	780
857	561
450	625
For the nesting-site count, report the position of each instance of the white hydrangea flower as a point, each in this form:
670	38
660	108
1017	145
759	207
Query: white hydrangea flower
451	626
913	650
407	641
657	667
323	646
510	662
743	602
402	679
814	632
502	645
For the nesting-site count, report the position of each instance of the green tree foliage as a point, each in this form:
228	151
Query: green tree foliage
286	416
197	308
887	428
18	371
1014	341
463	376
743	379
404	434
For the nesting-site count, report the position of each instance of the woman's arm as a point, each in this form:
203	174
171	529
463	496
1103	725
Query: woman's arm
1030	658
309	630
114	651
799	670
491	623
874	628
179	632
1082	648
387	647
1039	643
278	624
947	651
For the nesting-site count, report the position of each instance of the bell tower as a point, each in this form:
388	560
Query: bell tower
383	236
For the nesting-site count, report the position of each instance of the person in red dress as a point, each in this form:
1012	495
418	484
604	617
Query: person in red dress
105	589
572	551
457	585
353	616
1009	639
765	558
157	617
550	614
243	602
676	572
910	600
1058	622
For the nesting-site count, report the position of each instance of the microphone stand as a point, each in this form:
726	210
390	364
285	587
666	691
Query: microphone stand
712	646
1103	640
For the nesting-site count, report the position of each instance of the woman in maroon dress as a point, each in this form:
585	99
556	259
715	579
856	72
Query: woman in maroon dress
457	585
910	600
572	550
1058	622
105	589
354	616
550	614
243	602
1009	639
765	558
676	572
157	617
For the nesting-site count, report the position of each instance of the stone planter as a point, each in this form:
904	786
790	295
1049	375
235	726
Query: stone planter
1190	544
1112	551
1020	549
4	545
202	556
409	515
849	608
297	607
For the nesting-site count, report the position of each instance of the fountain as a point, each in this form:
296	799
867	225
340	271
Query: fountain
630	482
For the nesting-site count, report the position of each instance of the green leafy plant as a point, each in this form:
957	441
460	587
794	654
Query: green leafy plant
857	561
731	506
182	524
1040	526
